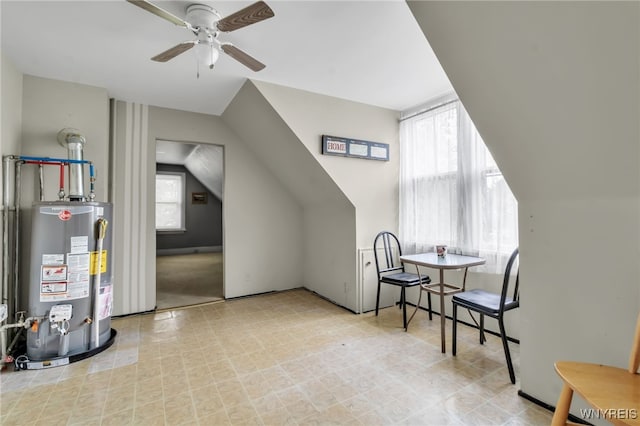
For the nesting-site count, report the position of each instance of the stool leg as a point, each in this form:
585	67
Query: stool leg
561	414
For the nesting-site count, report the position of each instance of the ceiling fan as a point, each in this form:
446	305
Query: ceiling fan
206	24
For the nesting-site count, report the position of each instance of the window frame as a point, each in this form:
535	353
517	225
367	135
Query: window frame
182	204
458	231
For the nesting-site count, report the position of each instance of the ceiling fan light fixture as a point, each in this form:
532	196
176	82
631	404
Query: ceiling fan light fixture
206	24
207	54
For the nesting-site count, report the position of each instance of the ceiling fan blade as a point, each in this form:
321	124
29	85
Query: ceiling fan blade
242	57
150	7
256	12
174	51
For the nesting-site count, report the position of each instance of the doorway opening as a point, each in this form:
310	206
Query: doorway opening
188	211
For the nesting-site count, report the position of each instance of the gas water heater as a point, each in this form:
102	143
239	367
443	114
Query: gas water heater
70	288
70	279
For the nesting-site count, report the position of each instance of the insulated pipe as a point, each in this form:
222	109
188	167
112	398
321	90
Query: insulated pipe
92	181
16	243
5	230
41	180
61	184
49	160
95	325
74	141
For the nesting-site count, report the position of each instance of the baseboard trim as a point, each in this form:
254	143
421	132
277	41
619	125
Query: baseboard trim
188	250
551	408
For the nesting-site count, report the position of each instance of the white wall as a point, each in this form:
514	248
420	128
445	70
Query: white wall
328	216
262	246
262	221
372	186
10	130
10	108
330	252
553	88
47	107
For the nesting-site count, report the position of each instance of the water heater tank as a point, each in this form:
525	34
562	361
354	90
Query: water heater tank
63	272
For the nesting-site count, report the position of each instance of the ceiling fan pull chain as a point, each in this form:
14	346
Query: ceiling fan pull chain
197	67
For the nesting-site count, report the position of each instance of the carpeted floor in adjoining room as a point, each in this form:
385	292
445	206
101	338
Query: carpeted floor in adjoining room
188	279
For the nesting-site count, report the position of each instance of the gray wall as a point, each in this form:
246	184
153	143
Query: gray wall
203	222
553	88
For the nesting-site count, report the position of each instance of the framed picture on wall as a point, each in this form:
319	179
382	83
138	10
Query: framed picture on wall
198	198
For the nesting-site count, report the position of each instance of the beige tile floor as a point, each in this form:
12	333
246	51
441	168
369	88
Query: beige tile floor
288	358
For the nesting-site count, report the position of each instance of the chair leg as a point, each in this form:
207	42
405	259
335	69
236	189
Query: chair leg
507	353
561	414
429	304
455	328
404	307
482	338
378	298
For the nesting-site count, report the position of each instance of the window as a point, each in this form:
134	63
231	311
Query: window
451	190
170	204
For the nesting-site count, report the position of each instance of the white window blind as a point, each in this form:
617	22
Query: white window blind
451	190
170	204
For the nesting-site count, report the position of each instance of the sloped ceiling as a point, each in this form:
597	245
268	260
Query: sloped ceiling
280	149
204	162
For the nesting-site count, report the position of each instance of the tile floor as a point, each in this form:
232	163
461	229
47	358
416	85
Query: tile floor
288	358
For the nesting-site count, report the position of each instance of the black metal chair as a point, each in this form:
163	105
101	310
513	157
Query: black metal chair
391	271
493	305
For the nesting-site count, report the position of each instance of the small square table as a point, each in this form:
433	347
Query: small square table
450	261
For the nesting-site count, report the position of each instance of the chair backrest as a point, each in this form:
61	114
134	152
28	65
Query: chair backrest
634	360
511	299
387	260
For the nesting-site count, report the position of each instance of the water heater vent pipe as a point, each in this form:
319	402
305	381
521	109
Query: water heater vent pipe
74	141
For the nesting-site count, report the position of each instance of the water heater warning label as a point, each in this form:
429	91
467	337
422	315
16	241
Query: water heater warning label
54	273
105	302
94	262
67	281
80	244
50	288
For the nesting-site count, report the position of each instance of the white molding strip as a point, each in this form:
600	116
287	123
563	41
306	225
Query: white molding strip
134	290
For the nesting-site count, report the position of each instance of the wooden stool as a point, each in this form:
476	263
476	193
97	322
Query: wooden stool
613	392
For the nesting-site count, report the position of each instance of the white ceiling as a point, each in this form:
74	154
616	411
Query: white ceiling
365	51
